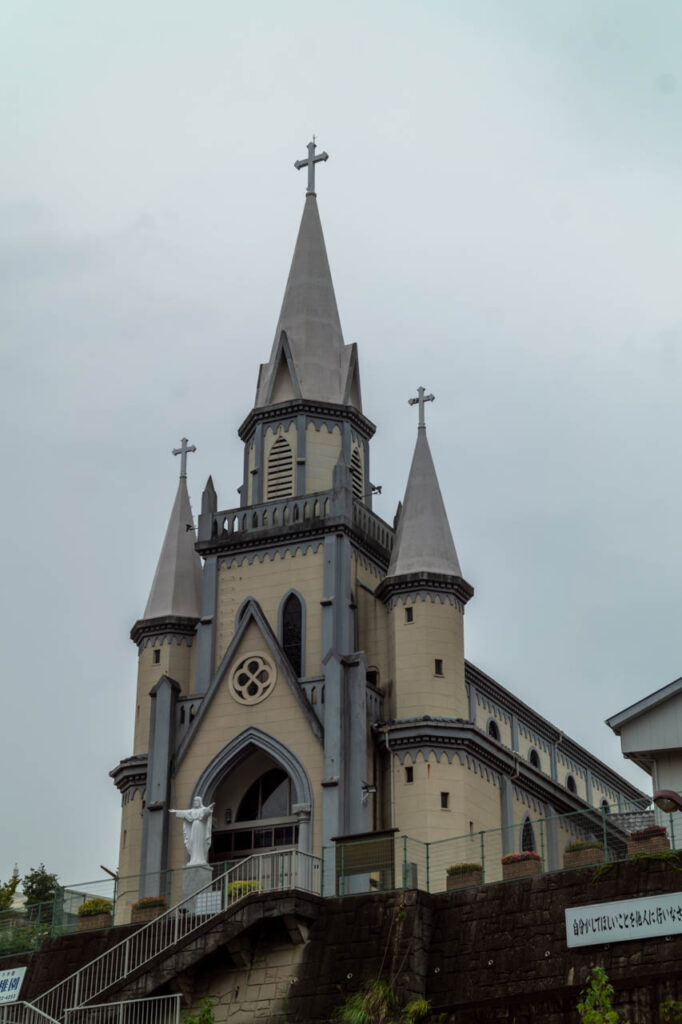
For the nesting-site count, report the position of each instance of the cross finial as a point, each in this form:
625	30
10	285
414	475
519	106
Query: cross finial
183	451
310	164
421	400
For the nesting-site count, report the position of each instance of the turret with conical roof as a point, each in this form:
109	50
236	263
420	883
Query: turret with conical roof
165	633
425	595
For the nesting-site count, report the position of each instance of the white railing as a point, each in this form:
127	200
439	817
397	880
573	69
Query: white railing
153	1010
263	872
23	1013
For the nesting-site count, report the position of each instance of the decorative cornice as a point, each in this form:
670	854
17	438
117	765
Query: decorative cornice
296	406
173	624
444	735
494	691
417	582
130	774
300	534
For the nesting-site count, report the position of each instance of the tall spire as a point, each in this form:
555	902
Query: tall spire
309	358
176	590
423	542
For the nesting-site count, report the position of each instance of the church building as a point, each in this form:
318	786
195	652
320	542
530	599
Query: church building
301	661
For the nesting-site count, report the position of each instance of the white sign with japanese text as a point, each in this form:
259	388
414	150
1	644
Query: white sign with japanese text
10	984
643	918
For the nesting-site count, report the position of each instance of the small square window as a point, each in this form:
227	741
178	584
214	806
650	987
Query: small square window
445	801
409	615
157	657
409	773
438	667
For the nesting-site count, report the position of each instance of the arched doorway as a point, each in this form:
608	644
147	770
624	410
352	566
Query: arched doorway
262	796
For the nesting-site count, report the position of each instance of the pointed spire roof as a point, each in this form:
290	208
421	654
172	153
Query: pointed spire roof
176	589
423	542
309	357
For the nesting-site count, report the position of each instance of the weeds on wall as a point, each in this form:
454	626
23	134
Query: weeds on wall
595	1006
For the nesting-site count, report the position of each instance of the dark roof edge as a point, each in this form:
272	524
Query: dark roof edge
550	732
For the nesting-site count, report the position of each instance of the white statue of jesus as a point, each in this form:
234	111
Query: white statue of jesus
196	829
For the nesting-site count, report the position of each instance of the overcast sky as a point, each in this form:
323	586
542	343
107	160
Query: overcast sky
502	215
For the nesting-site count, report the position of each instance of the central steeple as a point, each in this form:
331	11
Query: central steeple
309	358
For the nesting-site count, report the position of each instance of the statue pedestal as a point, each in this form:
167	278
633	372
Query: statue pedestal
195	877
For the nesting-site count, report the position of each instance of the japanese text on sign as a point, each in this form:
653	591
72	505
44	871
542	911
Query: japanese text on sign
642	918
10	984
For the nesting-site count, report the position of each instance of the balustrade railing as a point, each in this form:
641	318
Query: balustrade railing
153	1010
23	1013
373	526
235	522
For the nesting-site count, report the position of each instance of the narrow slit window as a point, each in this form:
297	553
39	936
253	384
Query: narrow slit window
445	801
292	632
157	657
409	615
409	773
438	667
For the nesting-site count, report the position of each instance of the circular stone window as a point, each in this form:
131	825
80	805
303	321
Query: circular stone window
253	679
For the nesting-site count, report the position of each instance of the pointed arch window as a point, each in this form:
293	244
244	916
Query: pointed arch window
280	476
292	632
527	837
356	473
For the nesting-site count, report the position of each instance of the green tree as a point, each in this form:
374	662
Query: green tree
596	1007
39	885
8	889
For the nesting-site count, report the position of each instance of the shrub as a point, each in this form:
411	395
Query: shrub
596	1006
240	888
670	1012
95	906
150	901
649	832
515	858
463	869
584	844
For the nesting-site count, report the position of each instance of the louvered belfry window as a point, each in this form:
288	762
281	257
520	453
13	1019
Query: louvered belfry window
280	482
292	632
356	473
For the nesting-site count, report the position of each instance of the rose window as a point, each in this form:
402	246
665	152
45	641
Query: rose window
253	679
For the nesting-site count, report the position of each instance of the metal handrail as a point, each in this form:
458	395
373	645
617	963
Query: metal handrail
22	1012
150	1010
263	872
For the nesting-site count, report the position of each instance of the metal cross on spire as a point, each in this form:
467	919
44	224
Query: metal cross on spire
310	164
183	452
421	400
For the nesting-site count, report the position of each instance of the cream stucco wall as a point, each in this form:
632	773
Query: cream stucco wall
268	581
280	715
176	660
473	804
436	632
130	843
323	448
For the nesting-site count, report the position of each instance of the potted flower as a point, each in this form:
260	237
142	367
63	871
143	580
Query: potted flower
581	852
520	865
94	913
461	876
147	909
652	839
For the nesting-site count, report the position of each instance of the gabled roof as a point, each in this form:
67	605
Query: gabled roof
176	589
309	357
423	541
251	613
617	721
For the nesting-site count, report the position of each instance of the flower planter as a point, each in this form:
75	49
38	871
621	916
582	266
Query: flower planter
142	915
581	858
91	921
464	880
521	869
648	844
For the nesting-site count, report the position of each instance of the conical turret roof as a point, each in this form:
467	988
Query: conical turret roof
309	358
176	590
423	542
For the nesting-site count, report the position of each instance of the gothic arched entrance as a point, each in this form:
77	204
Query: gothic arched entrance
262	796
